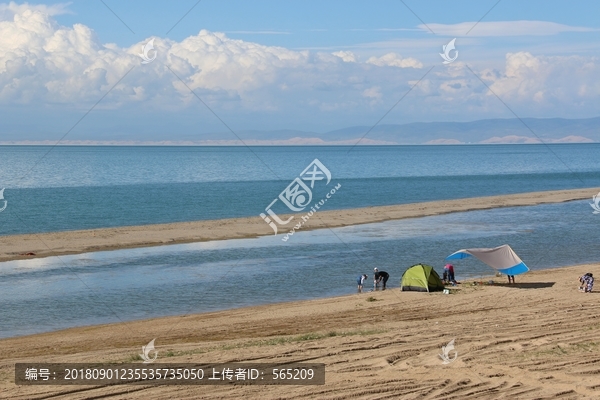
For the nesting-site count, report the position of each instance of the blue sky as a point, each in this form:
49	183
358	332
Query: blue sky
308	24
268	65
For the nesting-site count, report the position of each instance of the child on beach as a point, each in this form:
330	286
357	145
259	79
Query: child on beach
361	280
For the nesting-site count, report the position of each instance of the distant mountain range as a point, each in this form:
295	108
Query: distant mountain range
487	131
527	130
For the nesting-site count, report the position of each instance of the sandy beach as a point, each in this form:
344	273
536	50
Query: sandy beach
533	340
74	242
537	339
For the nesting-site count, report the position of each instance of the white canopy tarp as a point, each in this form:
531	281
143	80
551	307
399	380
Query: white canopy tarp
501	258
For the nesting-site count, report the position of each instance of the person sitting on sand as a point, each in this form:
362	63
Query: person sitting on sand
379	277
361	280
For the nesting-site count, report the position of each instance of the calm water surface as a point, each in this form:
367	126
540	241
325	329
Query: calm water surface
81	187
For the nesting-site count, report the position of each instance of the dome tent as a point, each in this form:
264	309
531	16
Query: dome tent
421	278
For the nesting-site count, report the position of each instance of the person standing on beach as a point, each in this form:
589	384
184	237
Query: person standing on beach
511	277
449	273
380	276
361	280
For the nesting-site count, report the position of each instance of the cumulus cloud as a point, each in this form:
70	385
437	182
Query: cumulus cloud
395	60
346	56
8	11
546	79
531	85
45	62
215	61
372	93
503	28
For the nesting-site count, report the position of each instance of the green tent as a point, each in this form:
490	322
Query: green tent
421	278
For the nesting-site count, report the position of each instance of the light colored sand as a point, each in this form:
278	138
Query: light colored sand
537	339
72	242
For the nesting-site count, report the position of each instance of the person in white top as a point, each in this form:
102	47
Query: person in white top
361	280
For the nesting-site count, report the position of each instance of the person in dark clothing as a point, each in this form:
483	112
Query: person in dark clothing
380	276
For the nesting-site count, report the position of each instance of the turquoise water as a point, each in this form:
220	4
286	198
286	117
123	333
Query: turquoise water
57	292
92	187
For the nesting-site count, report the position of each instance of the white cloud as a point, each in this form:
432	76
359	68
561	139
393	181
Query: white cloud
546	79
45	62
346	56
504	28
42	62
8	11
395	60
215	61
372	93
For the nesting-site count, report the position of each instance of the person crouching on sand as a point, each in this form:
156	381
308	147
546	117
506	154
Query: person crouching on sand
590	283
587	282
582	281
361	280
380	276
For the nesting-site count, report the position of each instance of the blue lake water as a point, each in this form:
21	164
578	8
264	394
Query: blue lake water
81	187
57	292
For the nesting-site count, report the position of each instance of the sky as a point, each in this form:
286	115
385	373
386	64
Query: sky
229	66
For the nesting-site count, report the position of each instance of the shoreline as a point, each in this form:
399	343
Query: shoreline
305	303
250	307
372	344
38	245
